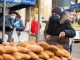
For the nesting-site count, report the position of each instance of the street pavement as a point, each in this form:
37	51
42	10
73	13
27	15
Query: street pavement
76	51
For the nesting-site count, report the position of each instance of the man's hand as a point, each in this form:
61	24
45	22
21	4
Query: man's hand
48	37
11	26
62	34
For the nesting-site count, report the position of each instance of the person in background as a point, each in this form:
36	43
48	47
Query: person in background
14	22
34	26
70	14
1	15
59	29
1	29
79	22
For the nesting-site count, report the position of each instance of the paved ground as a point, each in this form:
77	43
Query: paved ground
77	58
76	51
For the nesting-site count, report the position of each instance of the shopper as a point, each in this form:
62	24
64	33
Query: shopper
7	28
59	29
14	21
34	27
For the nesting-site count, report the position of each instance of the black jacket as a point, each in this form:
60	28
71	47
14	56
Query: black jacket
54	28
7	26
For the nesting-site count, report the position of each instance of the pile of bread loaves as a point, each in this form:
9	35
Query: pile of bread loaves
33	51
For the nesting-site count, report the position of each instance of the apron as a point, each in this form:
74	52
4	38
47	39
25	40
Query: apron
55	40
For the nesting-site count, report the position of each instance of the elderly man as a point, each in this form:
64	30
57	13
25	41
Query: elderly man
59	28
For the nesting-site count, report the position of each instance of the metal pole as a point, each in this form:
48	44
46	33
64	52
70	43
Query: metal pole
29	20
4	9
76	1
39	17
74	17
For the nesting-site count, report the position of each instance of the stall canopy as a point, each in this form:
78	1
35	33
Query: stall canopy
11	3
75	6
27	2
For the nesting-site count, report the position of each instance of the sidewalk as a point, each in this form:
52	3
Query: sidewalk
76	58
76	51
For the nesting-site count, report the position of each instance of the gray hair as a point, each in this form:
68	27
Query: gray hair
63	19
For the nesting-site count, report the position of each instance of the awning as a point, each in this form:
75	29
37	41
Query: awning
64	3
19	6
17	2
75	6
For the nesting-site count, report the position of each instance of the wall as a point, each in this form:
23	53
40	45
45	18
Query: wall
22	13
46	7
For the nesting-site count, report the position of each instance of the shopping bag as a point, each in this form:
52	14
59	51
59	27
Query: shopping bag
24	36
5	37
15	37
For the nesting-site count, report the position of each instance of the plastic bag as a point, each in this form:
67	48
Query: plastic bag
24	36
5	37
15	37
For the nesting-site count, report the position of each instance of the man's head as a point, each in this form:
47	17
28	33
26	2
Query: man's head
57	10
70	14
57	13
14	15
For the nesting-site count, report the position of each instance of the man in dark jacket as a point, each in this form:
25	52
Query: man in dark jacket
59	29
7	28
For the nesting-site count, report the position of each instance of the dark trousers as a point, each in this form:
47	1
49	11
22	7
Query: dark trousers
1	41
